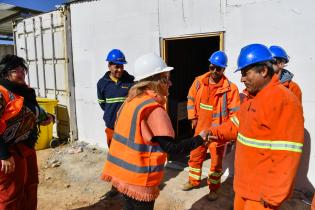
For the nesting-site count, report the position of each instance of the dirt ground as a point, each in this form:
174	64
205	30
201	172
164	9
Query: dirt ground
69	179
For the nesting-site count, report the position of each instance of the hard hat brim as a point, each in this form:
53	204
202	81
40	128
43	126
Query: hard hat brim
118	62
169	68
256	62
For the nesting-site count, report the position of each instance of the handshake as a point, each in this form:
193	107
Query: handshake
207	136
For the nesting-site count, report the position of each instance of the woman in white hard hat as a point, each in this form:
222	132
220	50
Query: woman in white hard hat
143	136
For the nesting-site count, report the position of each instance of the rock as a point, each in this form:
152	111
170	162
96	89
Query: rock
55	165
75	150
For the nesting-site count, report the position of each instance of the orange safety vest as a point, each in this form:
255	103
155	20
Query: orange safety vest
270	135
130	158
14	104
225	103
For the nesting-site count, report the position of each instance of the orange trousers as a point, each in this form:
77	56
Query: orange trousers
109	134
313	203
197	157
245	204
18	190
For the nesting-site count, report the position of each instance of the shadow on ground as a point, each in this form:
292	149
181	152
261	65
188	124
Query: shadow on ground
224	202
112	204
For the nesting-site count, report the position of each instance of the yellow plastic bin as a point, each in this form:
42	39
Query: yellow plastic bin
46	132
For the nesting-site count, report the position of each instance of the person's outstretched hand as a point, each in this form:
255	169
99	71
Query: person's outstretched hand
207	136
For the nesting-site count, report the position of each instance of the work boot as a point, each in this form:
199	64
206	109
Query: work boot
212	196
188	186
110	194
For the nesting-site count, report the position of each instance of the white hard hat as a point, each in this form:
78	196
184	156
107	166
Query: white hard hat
148	65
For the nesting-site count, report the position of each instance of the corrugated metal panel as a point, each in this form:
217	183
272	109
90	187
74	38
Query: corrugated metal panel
42	41
6	49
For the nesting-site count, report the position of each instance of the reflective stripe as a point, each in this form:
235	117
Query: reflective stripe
138	147
133	127
234	109
195	176
235	121
214	181
115	100
100	101
134	168
224	105
216	174
206	107
130	142
218	115
272	145
191	98
214	124
194	169
190	107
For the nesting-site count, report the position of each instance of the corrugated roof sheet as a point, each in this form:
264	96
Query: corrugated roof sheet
9	13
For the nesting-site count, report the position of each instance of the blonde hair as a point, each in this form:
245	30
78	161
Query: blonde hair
153	83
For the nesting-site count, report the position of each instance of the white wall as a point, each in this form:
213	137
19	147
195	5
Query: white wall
135	28
98	27
184	17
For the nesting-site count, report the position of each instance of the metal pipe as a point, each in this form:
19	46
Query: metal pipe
26	50
71	82
53	52
36	58
14	36
42	53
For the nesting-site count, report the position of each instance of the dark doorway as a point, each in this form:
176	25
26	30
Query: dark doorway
189	57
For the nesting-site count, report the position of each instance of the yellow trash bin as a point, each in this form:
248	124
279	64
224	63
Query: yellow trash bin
46	132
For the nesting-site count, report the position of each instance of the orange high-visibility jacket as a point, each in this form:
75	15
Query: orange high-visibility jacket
14	104
270	135
226	103
286	79
130	158
294	87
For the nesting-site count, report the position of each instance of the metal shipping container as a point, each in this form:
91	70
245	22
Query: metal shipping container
45	42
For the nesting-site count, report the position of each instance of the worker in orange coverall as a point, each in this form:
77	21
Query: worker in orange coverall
285	76
212	100
269	128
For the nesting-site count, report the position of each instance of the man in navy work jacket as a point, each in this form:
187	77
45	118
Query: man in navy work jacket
112	90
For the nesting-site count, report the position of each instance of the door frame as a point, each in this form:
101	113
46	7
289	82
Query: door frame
164	55
163	41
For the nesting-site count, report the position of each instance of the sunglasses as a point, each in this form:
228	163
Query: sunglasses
278	61
214	67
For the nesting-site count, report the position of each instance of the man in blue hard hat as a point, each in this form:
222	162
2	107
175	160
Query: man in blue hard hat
285	76
269	128
212	100
112	90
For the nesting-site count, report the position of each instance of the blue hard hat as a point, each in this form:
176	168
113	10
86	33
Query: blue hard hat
279	52
116	56
251	54
219	58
